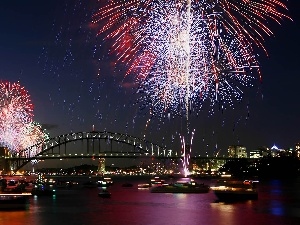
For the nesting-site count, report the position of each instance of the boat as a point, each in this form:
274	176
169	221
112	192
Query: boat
9	201
157	181
143	186
182	187
104	194
105	182
42	190
67	185
154	182
235	190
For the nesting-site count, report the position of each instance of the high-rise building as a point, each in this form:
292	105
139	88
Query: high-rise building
256	153
237	151
259	152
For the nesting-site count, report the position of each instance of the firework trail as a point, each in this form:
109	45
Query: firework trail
186	154
185	52
248	18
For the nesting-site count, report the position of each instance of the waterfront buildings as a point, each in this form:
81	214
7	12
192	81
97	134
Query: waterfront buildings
297	149
275	151
255	154
237	151
261	151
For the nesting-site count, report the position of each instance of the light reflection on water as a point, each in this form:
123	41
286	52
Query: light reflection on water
278	203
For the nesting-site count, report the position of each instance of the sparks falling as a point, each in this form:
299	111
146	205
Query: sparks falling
188	52
17	129
186	149
16	110
184	52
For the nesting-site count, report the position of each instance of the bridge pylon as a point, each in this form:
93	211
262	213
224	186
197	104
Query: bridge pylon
101	166
5	165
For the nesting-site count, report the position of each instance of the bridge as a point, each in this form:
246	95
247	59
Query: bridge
92	144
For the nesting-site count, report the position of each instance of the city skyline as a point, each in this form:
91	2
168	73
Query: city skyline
51	48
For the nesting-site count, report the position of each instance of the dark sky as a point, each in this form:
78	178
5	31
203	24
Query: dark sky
52	49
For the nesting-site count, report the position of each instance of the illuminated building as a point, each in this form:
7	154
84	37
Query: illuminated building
254	154
237	151
261	151
101	166
297	149
275	151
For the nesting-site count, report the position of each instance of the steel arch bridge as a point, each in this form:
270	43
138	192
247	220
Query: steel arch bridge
98	145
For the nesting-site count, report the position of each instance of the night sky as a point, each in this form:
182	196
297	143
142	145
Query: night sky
52	49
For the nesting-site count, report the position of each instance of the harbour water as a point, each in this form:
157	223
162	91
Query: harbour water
278	203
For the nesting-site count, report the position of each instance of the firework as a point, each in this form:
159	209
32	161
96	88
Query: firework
186	150
247	18
186	52
33	137
17	130
15	101
16	110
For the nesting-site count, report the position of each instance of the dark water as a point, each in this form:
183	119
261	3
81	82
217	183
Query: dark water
278	203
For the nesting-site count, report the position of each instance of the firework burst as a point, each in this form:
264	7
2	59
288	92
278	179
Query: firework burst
17	129
15	102
185	52
16	111
33	138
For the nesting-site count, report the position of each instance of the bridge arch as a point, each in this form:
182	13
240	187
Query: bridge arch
57	147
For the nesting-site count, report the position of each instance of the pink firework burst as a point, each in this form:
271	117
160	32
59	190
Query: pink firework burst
33	137
16	111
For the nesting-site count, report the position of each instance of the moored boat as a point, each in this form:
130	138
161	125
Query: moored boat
144	186
42	190
67	185
182	187
10	201
157	181
235	190
105	182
